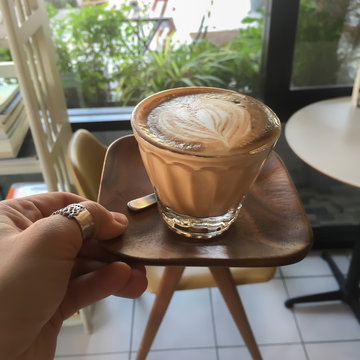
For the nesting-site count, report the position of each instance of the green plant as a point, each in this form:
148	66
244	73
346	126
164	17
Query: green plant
202	63
187	65
245	68
320	25
95	43
109	54
5	55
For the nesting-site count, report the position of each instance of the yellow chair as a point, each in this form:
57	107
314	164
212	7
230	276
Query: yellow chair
85	160
87	177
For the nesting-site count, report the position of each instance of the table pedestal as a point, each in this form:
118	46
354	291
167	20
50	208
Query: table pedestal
348	286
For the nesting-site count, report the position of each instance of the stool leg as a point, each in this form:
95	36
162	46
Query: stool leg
167	286
227	287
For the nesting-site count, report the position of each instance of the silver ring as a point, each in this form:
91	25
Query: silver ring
82	217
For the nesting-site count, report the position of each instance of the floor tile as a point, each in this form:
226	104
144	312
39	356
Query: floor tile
277	274
111	323
118	356
269	352
188	354
314	265
324	321
349	350
329	329
187	322
270	321
333	204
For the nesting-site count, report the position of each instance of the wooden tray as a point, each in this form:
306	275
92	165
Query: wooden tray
271	230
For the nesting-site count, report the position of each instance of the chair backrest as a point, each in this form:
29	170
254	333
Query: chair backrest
29	38
85	159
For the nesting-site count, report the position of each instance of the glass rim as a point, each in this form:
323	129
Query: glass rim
190	90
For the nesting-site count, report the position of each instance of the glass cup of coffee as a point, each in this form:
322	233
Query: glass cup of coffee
202	149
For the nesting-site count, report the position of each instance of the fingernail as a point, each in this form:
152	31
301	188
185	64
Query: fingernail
120	218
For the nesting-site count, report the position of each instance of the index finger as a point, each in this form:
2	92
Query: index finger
36	207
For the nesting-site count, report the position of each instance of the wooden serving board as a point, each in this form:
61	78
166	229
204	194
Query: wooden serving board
271	230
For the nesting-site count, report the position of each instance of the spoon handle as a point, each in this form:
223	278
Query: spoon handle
142	202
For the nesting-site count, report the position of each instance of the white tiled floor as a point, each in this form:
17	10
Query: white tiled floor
197	325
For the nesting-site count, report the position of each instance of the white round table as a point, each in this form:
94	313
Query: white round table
326	135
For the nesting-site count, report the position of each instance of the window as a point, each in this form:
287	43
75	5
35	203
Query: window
287	53
122	51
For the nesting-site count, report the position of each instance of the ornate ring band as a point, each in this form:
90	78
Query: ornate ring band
82	217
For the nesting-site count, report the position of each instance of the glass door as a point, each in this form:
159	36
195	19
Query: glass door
311	52
327	46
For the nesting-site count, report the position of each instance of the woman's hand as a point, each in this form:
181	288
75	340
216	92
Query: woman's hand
47	273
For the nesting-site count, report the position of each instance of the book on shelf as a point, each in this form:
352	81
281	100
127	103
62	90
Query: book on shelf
10	143
10	114
7	93
12	123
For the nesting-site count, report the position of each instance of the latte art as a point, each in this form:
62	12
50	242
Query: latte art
205	122
207	125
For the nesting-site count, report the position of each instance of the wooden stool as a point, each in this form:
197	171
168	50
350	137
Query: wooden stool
272	230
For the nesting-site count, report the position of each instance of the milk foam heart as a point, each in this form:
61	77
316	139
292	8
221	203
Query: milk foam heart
207	125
